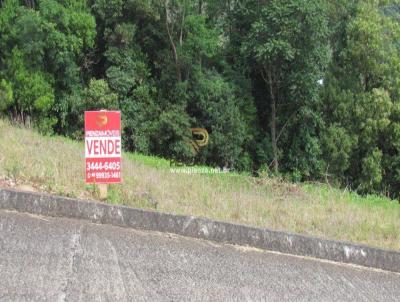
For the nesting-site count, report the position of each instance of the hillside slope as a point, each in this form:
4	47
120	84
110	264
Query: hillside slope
55	164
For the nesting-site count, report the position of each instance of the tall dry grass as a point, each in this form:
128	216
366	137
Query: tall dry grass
56	165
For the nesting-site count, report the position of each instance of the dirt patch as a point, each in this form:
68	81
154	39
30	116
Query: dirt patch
13	184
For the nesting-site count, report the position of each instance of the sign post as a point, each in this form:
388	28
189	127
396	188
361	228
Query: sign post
103	148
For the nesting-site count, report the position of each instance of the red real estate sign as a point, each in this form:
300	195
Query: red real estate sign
103	146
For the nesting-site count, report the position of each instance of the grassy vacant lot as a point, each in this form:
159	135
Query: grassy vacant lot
56	164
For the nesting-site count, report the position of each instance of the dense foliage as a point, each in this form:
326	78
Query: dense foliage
308	90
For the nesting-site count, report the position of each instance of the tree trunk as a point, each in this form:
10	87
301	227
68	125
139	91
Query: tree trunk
171	40
30	4
273	136
273	124
200	7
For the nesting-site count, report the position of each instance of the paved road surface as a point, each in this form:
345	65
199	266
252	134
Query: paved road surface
49	259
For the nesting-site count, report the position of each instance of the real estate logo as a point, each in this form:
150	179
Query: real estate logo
199	140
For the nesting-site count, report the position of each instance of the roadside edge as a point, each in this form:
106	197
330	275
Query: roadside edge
203	228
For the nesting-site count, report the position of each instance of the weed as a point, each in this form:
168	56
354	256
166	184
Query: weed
56	165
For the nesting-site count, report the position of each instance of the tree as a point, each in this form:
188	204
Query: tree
42	45
308	89
287	47
32	94
360	101
6	95
216	108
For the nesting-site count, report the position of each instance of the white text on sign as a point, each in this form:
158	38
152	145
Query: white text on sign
104	147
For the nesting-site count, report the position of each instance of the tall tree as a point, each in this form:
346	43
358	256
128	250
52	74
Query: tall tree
361	100
286	45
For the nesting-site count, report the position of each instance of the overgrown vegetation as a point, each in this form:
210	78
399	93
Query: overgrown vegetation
304	90
55	164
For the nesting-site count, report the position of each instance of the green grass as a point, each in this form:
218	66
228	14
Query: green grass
151	161
56	165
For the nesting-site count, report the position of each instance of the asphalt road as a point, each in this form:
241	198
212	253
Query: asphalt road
56	259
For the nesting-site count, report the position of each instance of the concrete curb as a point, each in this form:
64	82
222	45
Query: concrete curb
48	205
